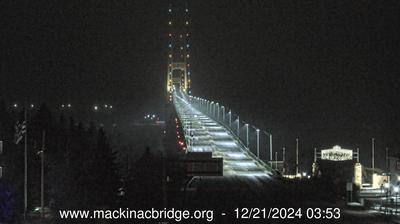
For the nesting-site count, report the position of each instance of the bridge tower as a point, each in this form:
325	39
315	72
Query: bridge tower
178	72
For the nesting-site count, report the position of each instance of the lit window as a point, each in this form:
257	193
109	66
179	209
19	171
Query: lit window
187	45
169	10
170	23
187	34
170	56
187	55
187	23
187	10
170	35
170	45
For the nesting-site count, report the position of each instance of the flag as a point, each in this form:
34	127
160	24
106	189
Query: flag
20	130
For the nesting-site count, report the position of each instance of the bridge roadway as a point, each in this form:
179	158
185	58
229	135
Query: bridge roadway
203	134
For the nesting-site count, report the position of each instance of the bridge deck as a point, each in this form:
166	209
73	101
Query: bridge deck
210	136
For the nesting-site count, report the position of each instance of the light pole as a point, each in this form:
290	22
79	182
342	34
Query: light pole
247	135
212	108
223	114
258	143
230	118
238	127
42	174
270	146
297	156
217	111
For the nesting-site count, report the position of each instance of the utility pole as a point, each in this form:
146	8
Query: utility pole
297	156
42	174
26	164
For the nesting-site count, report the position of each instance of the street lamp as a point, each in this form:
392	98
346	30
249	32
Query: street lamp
258	143
238	127
230	118
217	111
247	135
223	114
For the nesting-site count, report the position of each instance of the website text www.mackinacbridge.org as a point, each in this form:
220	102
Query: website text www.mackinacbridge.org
131	214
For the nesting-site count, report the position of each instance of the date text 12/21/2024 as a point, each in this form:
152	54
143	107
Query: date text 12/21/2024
288	213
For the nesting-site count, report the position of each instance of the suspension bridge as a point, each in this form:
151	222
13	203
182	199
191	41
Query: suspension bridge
209	126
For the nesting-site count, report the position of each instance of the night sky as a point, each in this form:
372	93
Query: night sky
324	71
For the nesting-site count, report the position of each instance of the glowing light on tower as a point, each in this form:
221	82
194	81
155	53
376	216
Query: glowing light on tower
178	74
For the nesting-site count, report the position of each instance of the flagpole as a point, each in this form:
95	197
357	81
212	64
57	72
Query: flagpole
26	164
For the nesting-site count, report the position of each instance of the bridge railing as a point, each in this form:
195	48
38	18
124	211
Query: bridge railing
253	139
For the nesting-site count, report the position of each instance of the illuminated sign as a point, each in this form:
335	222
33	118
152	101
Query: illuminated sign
337	154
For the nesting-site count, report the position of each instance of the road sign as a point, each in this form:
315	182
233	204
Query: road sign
202	164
